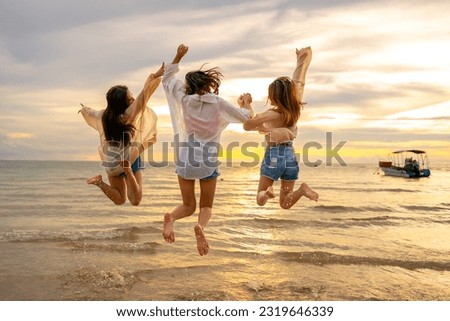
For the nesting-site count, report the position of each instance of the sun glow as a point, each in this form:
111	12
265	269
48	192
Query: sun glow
19	135
257	87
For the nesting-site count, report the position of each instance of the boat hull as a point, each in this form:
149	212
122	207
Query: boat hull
400	172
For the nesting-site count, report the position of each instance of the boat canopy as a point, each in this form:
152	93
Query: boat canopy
415	151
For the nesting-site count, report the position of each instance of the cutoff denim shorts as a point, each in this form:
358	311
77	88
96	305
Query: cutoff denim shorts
280	162
137	165
213	175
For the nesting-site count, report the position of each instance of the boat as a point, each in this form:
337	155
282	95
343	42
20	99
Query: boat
407	163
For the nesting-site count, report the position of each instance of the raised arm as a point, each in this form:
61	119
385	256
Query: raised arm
151	84
172	85
304	56
181	52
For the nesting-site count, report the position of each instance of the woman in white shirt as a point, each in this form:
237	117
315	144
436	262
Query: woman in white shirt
126	128
198	117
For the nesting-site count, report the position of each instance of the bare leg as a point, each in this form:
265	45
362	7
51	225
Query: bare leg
288	197
133	180
207	193
265	190
187	188
134	187
116	192
134	183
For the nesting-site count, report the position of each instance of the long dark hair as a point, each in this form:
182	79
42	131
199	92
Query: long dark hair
283	96
203	81
114	124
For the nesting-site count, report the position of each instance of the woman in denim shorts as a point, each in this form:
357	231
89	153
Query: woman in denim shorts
279	123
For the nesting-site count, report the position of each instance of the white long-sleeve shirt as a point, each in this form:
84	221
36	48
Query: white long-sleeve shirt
197	121
143	119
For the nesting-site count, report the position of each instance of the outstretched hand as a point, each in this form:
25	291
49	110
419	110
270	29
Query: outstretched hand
302	53
81	106
160	71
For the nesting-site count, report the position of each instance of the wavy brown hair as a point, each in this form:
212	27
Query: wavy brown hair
283	96
203	81
114	125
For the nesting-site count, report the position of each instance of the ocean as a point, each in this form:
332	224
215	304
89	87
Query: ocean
369	237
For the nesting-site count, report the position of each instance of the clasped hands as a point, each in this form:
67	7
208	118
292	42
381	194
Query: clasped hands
245	100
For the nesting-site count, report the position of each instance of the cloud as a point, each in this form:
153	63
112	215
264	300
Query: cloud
19	135
379	70
440	111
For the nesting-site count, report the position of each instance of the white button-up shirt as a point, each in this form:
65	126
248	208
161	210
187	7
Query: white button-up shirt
197	121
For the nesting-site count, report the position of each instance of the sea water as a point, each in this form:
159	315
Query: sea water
369	237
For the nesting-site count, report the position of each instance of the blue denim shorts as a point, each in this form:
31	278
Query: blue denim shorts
134	167
213	175
280	162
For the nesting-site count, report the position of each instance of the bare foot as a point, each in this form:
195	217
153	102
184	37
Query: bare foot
308	192
263	196
269	192
202	244
96	180
168	232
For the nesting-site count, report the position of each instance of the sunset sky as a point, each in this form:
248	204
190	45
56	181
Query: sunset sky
379	77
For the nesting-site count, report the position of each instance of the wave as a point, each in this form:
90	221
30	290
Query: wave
424	208
148	248
85	283
325	258
274	222
81	179
238	226
346	209
126	234
385	220
333	222
380	209
441	221
371	190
